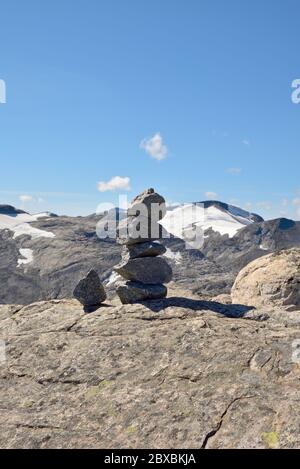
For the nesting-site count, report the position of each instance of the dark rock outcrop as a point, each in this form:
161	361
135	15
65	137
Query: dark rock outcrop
90	291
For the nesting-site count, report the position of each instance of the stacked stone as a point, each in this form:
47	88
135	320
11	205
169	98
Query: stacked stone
144	273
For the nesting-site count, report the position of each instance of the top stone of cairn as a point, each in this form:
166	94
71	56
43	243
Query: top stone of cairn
143	215
150	200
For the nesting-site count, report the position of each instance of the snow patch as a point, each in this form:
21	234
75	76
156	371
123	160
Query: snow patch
20	225
112	279
184	218
27	255
174	256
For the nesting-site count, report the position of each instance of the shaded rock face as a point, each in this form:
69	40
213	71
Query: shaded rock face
133	292
271	281
148	270
174	373
90	291
10	210
140	265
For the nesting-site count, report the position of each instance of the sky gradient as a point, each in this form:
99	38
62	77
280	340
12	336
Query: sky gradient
190	97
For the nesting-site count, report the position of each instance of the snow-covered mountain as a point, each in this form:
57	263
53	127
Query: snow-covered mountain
19	222
208	215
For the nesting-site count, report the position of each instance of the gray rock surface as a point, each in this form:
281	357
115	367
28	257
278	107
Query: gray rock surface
148	198
134	292
148	249
271	281
58	263
148	270
90	291
136	230
175	373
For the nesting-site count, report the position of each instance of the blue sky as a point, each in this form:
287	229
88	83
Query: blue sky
90	83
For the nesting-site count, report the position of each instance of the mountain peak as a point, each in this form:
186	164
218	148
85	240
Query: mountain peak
10	210
232	209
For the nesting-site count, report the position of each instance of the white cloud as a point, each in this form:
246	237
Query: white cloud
155	147
248	206
296	201
211	195
116	183
246	142
26	198
234	170
266	205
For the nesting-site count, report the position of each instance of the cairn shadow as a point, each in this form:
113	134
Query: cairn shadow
230	311
93	309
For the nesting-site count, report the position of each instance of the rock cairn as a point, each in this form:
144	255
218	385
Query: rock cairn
144	273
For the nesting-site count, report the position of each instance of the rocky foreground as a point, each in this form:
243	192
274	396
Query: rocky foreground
175	373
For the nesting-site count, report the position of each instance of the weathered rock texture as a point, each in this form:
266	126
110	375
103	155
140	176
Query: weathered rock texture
148	270
132	292
90	291
178	373
271	281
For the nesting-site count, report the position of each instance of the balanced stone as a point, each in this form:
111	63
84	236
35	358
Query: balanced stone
136	230
148	270
133	292
90	291
151	200
147	249
143	215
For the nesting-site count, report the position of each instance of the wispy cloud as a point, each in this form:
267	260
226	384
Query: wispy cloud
155	147
246	142
233	170
265	204
25	198
116	183
211	195
248	206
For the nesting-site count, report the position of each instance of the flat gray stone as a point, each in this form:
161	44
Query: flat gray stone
147	249
134	292
90	291
149	270
137	230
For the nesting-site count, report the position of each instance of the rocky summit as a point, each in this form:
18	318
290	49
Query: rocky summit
172	373
146	272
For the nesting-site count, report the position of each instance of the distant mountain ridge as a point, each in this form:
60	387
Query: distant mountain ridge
10	210
60	250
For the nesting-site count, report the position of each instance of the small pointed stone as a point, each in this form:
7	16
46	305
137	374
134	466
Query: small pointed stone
90	291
